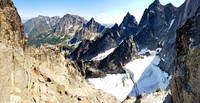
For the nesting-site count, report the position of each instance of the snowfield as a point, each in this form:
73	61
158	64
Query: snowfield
142	76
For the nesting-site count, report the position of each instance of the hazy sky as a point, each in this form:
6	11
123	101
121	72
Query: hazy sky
104	11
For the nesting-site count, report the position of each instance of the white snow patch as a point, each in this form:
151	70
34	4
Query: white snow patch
121	42
163	59
103	55
143	51
192	40
151	78
118	85
138	66
142	76
172	22
124	28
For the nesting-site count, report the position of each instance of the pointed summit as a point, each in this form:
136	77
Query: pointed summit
129	20
115	26
128	14
92	21
155	4
94	26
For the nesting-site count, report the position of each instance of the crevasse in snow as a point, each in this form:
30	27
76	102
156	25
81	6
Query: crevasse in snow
142	76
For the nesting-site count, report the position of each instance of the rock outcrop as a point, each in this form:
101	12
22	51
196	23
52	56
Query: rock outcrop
10	27
186	80
31	75
156	97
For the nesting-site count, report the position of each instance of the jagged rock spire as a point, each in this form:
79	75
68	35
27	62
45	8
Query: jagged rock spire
155	4
129	19
157	1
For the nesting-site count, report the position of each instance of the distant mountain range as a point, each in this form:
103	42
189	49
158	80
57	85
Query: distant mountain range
54	30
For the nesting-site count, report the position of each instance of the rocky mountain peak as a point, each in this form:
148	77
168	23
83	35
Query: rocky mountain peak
128	14
155	5
169	5
75	18
129	20
115	25
94	26
41	16
68	21
92	20
156	2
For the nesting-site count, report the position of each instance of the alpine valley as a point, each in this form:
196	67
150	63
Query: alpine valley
73	60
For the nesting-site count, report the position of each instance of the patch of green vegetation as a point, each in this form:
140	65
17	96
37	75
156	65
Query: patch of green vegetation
158	90
47	38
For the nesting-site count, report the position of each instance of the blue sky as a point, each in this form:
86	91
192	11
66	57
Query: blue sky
104	11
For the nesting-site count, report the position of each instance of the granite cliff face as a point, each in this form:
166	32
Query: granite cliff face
11	27
31	75
186	80
155	23
168	53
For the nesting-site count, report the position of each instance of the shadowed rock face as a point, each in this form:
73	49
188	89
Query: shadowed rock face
168	53
111	38
186	80
113	63
89	49
154	24
123	54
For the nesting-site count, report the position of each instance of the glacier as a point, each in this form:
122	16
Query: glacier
142	76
